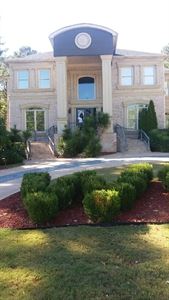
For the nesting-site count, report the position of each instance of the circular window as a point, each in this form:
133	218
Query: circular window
83	40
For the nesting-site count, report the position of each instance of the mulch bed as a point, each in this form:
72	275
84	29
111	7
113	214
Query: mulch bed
152	207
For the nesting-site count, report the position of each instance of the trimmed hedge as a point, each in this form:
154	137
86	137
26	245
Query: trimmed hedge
102	205
159	140
163	172
166	181
64	188
41	206
34	182
136	180
127	194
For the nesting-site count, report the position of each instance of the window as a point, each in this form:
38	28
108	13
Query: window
44	79
86	88
35	119
126	76
133	115
149	75
23	79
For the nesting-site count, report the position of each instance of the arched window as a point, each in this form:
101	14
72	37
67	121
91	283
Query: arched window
86	88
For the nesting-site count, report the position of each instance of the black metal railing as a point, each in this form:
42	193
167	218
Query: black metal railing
28	150
122	145
50	134
145	138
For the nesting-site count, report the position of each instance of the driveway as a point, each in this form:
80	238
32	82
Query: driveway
10	179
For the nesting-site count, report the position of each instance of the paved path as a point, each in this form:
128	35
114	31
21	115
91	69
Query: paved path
10	179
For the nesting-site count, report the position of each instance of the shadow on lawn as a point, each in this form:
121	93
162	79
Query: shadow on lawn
122	262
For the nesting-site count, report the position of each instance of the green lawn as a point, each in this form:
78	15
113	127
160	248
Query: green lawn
112	173
121	262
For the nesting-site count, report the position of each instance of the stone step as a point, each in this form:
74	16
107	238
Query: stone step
136	146
41	150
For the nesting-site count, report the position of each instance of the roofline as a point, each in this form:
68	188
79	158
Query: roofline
63	29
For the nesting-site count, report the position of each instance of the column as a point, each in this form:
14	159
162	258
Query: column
107	87
61	80
108	139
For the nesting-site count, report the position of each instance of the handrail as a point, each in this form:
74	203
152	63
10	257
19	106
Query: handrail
28	150
145	138
50	134
122	145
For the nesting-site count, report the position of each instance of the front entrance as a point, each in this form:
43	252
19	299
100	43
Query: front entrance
133	115
35	119
81	113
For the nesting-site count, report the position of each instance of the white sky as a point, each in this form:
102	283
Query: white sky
141	24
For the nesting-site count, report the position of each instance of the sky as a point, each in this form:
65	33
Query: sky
141	24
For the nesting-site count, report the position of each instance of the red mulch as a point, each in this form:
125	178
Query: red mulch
152	207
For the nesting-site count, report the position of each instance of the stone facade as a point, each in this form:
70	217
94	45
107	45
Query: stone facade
60	101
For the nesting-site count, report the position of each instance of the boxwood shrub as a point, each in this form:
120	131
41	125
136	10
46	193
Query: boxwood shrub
163	172
145	168
136	180
41	206
34	182
102	205
127	194
166	181
65	189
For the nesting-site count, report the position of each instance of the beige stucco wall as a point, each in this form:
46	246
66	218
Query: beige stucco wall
19	100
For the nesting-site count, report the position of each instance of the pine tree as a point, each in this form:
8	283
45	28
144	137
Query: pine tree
152	118
148	118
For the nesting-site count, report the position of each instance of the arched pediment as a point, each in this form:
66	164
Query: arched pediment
83	40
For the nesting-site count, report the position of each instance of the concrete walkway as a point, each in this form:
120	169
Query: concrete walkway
10	179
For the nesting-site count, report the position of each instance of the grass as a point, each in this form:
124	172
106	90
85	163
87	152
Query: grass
122	262
112	173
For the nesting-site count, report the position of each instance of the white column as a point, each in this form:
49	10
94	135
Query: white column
107	87
61	81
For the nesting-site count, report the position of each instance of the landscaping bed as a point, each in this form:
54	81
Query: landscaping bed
151	207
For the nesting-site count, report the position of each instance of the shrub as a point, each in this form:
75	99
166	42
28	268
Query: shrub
159	140
166	181
145	168
41	206
91	183
102	205
136	180
127	194
34	182
65	189
163	172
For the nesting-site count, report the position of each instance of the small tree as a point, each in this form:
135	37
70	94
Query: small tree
148	118
143	120
152	118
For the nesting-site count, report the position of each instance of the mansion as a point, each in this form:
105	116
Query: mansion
84	74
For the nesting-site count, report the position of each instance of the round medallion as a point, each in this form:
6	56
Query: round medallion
83	40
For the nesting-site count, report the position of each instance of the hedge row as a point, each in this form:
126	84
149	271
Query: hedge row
102	201
163	175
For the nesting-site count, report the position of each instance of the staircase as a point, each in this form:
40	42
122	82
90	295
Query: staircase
40	147
136	146
128	142
40	150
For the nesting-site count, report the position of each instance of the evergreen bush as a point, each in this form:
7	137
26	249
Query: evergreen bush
34	182
102	205
127	194
41	206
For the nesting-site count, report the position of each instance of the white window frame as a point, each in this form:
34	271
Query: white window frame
124	77
40	80
149	76
34	110
85	99
20	80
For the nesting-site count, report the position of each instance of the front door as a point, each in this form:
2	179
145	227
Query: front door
35	120
81	113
